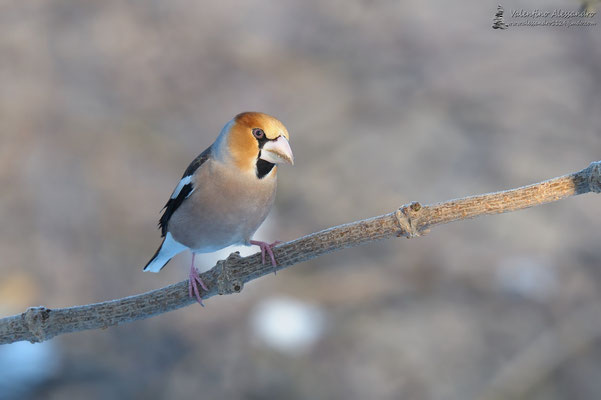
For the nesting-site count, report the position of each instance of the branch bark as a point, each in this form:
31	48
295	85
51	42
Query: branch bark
229	276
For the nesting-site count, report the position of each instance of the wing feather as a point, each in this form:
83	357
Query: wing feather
182	191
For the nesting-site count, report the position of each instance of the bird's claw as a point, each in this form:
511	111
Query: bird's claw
267	247
193	281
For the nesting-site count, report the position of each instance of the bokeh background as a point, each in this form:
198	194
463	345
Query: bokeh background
104	103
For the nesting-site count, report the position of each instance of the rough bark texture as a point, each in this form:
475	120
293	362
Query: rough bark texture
229	276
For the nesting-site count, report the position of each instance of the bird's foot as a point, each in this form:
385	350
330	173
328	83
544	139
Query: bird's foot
267	247
193	282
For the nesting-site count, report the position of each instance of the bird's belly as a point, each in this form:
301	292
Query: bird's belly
205	233
215	219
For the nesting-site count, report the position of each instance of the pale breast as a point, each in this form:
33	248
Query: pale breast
226	207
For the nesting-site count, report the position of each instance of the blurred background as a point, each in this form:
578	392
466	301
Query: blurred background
104	104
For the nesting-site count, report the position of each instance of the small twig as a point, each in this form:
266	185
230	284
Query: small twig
39	323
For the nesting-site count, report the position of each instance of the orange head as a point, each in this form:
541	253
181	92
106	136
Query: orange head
255	141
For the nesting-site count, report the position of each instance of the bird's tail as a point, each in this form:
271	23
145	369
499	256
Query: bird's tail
169	248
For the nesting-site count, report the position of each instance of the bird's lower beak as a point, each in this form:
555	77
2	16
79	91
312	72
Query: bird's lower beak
277	151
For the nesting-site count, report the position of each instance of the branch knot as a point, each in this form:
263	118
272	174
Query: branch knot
405	217
225	283
594	177
36	319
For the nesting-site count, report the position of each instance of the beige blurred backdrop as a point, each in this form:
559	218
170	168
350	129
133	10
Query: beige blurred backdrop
104	103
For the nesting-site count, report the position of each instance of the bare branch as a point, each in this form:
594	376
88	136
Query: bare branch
229	276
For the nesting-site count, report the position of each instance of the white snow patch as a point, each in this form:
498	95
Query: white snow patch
288	325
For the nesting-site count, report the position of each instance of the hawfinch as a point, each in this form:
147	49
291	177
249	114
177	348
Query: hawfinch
225	193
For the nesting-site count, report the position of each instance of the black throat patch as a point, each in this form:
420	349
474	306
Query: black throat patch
263	167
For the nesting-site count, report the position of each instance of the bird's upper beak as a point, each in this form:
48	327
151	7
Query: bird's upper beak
277	151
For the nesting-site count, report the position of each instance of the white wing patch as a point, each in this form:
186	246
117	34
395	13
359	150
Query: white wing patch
185	180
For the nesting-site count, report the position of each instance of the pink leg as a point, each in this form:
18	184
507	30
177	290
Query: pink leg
193	281
267	247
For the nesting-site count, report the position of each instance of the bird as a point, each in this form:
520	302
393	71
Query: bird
225	194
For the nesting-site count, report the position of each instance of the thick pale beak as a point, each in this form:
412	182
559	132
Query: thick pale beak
277	151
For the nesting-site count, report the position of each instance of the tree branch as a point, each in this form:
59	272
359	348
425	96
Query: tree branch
229	276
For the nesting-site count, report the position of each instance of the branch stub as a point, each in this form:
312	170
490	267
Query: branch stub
594	177
405	217
226	284
35	319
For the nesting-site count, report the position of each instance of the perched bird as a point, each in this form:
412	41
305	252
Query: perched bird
225	193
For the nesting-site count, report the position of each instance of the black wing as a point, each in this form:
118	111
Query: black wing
174	202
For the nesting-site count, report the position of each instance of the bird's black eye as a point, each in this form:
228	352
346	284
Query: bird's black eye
258	133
